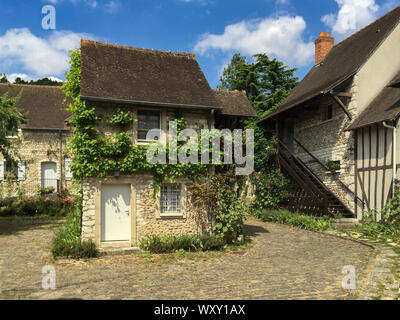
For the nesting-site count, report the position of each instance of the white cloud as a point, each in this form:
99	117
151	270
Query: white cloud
352	16
11	77
38	57
280	37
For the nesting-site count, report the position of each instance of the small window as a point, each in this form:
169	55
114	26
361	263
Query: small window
147	120
12	130
11	170
327	113
170	198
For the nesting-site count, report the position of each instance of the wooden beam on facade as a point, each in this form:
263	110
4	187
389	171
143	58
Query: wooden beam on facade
341	105
343	94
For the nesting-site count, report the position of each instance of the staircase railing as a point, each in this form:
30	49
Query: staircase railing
302	179
327	169
324	195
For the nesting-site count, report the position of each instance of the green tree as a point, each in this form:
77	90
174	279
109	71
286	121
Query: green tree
3	78
40	82
267	84
10	118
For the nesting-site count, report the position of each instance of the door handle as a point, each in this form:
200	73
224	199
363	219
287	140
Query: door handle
128	212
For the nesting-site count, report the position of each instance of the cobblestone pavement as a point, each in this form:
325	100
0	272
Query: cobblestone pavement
382	280
284	263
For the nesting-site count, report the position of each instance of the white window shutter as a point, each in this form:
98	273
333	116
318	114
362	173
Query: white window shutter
68	172
21	171
1	170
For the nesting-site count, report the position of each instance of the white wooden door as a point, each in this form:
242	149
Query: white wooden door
115	213
49	175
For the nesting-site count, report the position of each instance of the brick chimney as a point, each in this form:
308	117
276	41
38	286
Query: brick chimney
323	45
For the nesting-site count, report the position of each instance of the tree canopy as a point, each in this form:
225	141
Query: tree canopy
267	82
10	118
40	82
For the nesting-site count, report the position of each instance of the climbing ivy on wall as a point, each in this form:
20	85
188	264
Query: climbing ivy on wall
98	156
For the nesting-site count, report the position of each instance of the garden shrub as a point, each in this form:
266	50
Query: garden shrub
295	219
221	197
171	244
271	189
389	226
67	242
36	207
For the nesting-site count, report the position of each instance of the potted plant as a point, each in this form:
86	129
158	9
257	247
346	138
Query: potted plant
333	166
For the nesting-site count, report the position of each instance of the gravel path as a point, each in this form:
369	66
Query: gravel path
284	263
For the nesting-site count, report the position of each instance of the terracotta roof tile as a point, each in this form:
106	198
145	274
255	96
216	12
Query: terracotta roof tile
342	62
118	72
43	104
234	103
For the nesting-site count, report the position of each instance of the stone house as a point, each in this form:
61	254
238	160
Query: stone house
344	114
43	137
152	86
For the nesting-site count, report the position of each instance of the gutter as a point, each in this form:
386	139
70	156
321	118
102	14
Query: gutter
46	129
150	104
394	129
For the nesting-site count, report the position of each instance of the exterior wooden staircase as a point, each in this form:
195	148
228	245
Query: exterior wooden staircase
312	184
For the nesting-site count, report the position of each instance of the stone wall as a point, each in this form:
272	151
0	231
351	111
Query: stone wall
37	147
146	211
328	140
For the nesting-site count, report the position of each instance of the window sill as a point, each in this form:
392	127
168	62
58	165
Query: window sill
336	172
327	121
147	141
172	215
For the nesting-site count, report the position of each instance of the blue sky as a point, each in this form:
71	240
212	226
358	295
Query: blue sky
212	29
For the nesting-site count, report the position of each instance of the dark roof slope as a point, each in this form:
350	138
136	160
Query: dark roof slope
117	72
234	103
43	104
342	61
385	107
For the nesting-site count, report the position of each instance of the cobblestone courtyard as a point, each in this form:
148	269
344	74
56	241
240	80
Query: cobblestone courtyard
283	263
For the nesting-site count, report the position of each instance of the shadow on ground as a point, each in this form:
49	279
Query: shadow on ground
16	225
253	230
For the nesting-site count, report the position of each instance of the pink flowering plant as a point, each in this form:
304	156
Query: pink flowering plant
270	189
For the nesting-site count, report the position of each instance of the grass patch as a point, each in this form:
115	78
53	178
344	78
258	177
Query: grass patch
295	219
172	244
379	231
67	242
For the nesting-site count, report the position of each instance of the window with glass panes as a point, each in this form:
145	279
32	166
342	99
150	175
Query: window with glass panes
148	120
170	198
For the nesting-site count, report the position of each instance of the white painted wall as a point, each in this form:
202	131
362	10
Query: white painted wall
378	71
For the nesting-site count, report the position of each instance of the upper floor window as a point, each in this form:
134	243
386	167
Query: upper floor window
148	120
327	113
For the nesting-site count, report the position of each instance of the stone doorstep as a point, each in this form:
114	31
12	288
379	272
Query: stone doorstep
346	223
116	251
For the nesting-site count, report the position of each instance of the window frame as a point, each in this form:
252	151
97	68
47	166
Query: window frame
179	211
327	114
12	134
147	130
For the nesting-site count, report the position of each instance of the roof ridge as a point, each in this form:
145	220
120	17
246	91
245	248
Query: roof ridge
120	46
230	91
362	29
29	85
